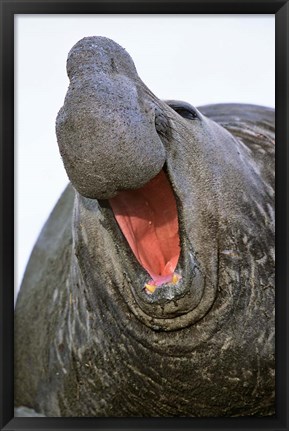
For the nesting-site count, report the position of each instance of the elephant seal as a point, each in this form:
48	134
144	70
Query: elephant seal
150	291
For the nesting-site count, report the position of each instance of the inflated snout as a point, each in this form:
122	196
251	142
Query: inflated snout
106	136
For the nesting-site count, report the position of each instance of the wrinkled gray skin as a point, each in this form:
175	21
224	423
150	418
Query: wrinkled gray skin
89	340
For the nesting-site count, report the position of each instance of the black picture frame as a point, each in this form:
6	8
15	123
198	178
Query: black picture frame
8	10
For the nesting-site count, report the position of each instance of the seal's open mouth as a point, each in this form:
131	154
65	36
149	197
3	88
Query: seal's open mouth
148	219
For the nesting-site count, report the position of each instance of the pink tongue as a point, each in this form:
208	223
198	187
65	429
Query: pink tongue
148	219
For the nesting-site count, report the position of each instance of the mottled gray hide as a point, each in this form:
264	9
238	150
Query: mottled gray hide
89	341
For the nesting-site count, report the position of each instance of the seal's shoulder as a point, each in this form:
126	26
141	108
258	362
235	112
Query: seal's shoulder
252	124
239	113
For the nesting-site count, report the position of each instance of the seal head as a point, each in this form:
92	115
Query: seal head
172	189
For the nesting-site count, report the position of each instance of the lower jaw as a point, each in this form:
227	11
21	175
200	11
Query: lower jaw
175	286
171	306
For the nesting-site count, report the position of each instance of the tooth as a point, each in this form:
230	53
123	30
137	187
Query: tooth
150	287
175	278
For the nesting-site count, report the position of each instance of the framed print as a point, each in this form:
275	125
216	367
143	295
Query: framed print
138	277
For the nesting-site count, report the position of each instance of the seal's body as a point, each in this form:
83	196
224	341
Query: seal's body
150	291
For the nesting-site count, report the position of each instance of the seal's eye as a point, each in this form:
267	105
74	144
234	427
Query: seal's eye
184	109
186	113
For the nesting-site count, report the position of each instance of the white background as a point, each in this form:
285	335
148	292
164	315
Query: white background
197	58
